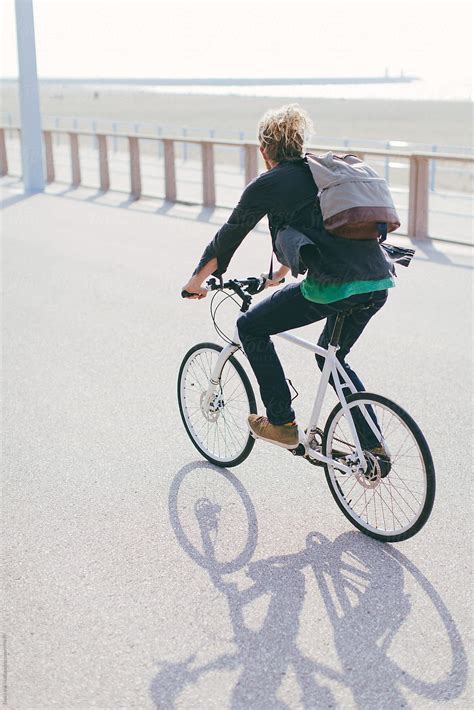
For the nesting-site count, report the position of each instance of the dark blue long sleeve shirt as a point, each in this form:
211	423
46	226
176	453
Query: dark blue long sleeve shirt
287	194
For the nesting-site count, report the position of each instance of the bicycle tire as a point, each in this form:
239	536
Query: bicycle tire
392	483
247	443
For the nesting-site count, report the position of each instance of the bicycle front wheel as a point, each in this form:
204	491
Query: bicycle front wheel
393	499
218	430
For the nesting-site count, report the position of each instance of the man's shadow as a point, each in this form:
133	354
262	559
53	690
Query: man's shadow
361	583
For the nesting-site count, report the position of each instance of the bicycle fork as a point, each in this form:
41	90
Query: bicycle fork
217	371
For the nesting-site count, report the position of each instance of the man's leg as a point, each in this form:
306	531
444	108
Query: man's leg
287	308
353	326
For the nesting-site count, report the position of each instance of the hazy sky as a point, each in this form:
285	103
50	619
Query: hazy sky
130	38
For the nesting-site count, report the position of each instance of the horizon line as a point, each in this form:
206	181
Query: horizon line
232	81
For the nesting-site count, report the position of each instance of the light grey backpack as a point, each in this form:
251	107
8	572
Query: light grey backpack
355	202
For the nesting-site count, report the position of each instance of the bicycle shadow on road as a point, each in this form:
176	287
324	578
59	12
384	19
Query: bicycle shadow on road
362	584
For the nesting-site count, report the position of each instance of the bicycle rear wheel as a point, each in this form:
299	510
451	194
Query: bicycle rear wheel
220	432
393	499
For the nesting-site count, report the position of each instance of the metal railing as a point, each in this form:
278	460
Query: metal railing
450	176
419	166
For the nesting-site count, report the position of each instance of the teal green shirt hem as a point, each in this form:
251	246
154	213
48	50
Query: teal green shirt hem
328	293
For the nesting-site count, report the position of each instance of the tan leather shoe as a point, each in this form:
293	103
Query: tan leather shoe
281	435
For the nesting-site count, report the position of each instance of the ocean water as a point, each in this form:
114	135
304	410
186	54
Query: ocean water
452	89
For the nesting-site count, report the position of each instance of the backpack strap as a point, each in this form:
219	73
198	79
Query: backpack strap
382	230
270	271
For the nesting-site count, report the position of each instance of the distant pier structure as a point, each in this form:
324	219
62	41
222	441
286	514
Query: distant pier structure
281	81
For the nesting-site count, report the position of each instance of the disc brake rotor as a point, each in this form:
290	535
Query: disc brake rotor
216	404
372	475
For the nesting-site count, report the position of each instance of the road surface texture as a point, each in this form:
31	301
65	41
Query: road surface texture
112	599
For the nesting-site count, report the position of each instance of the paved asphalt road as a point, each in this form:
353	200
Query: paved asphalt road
111	601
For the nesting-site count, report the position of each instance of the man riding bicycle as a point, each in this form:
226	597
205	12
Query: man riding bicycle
342	276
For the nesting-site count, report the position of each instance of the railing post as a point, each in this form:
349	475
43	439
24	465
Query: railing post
208	175
412	195
170	170
418	197
135	173
422	200
242	152
103	163
49	155
387	163
160	144
433	170
185	146
3	154
251	156
75	161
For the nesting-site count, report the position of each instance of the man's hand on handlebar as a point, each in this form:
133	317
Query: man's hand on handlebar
193	290
277	279
270	283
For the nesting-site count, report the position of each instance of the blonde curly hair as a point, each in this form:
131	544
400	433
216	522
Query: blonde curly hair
282	132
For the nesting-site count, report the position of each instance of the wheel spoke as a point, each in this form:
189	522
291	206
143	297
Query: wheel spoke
389	508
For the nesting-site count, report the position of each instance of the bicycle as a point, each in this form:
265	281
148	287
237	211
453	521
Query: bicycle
388	496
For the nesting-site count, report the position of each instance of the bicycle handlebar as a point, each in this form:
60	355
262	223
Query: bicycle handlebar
252	284
242	287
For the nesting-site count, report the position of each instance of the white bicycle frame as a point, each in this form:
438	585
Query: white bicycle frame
333	367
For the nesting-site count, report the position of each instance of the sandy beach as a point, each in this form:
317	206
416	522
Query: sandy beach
445	123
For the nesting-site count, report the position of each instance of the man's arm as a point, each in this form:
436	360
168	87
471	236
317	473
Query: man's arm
252	206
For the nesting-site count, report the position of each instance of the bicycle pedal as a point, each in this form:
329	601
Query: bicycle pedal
299	451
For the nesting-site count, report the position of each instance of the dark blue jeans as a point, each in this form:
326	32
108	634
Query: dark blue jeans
285	309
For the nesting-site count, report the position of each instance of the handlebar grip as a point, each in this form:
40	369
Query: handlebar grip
187	294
